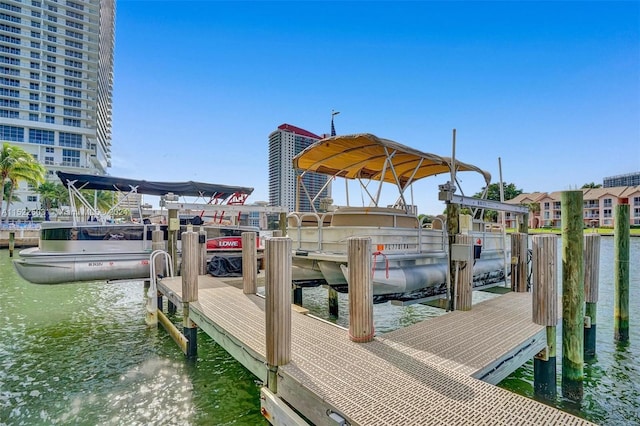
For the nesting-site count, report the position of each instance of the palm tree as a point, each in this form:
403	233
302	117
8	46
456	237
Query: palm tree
7	192
17	165
591	185
52	195
103	199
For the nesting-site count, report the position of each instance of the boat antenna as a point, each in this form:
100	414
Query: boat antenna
453	159
333	128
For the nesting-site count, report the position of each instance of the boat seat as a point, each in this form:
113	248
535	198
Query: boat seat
308	220
438	222
373	216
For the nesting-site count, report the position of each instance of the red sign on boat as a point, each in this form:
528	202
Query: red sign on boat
225	243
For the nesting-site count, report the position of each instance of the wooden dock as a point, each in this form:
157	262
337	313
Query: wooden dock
437	371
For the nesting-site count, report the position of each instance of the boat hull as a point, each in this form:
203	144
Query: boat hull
405	275
46	268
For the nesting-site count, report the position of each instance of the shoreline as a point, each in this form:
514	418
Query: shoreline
23	238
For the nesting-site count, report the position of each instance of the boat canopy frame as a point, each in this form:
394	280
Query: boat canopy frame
367	157
217	194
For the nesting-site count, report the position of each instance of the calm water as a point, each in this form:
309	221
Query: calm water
81	354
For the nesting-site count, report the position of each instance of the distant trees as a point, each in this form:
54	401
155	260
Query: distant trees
493	193
52	195
17	165
55	195
591	185
429	218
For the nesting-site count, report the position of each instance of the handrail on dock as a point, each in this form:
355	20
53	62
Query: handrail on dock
152	294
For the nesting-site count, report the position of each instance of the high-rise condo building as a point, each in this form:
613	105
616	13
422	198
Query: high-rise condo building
56	80
629	179
284	144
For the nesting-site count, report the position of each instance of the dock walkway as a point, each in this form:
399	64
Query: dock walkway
419	375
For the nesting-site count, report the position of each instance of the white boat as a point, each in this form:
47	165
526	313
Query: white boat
70	252
103	250
410	260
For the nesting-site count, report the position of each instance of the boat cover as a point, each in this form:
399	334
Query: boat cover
362	156
189	188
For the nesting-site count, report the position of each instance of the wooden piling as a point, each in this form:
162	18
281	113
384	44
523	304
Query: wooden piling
572	295
158	243
332	299
249	263
523	223
190	266
202	245
591	278
464	281
12	242
519	251
277	306
545	312
189	271
360	290
282	225
621	273
172	242
453	228
297	295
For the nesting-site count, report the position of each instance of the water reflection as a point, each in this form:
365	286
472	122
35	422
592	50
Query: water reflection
81	354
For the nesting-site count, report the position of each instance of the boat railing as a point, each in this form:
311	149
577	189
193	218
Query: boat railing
436	229
19	225
489	240
308	220
321	232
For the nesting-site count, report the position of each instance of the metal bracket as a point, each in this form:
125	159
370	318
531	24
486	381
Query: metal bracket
543	355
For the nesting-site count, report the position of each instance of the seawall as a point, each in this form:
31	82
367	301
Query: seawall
23	238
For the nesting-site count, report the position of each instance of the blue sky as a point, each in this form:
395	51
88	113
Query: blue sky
552	88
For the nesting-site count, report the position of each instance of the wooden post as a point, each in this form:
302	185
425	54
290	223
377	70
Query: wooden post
249	263
157	243
190	268
519	251
591	276
12	242
277	233
172	243
572	295
332	298
523	225
545	312
297	295
154	297
361	328
283	224
202	245
464	281
453	228
277	306
621	240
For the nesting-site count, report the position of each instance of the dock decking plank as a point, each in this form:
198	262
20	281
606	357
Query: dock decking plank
418	375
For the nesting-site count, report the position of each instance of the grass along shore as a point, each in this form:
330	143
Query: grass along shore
634	232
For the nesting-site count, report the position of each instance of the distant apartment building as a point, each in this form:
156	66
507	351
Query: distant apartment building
254	217
56	79
629	179
284	144
598	207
